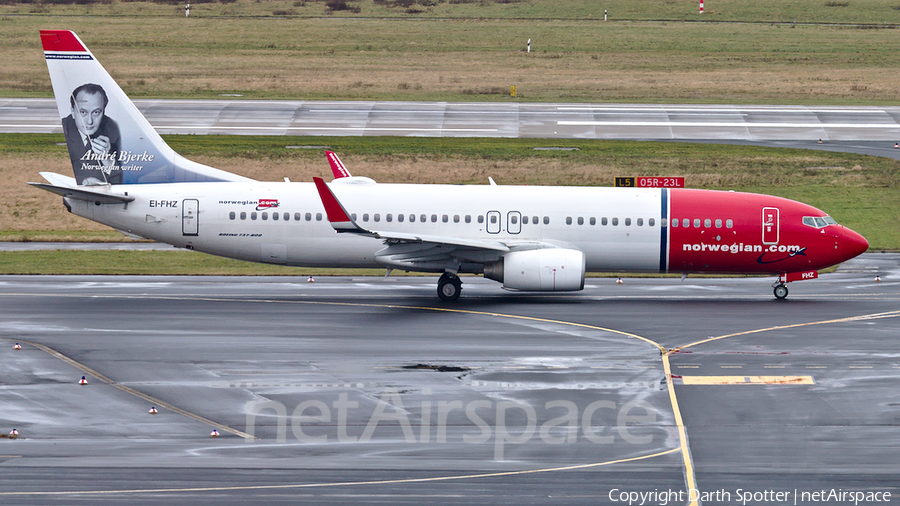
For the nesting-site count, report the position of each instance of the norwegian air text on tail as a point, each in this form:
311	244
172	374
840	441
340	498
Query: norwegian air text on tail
525	237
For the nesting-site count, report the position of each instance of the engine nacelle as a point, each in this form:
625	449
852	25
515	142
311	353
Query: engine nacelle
545	270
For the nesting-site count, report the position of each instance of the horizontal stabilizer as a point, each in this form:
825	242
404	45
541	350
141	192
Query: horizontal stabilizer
82	193
58	179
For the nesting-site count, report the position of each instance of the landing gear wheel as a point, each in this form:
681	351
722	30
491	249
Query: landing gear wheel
449	286
781	292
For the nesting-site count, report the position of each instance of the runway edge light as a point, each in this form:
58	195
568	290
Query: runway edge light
83	381
17	346
153	410
214	433
14	433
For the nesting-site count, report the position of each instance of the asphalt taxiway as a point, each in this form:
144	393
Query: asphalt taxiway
371	390
858	129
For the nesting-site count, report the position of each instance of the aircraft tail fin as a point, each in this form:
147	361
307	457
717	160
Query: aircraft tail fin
109	140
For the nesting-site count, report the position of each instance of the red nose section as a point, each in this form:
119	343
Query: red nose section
852	244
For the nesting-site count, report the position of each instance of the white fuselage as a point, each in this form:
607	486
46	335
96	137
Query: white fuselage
285	223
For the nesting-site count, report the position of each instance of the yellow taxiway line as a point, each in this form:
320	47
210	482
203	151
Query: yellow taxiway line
345	483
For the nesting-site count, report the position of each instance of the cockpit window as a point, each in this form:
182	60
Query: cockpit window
818	221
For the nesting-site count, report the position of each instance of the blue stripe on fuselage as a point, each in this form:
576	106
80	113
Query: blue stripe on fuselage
663	230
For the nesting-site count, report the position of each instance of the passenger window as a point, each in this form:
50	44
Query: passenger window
318	216
243	216
275	216
580	220
593	220
422	218
468	218
534	220
253	216
296	216
524	220
231	215
365	216
412	218
514	219
434	218
707	223
388	217
696	222
480	218
546	220
265	216
353	216
445	218
287	217
308	216
604	221
455	218
400	218
640	222
376	217
627	222
615	222
568	220
718	223
729	223
652	222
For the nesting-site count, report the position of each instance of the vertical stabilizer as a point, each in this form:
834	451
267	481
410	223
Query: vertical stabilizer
109	140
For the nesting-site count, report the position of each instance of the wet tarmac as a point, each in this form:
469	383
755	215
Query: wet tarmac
371	390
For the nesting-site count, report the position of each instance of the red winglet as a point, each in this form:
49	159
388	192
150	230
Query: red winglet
61	40
337	215
337	167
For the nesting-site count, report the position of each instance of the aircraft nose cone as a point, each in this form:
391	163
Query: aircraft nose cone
852	243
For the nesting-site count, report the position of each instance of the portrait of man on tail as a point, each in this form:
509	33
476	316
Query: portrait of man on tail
92	137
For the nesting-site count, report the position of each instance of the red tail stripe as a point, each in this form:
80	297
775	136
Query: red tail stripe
60	40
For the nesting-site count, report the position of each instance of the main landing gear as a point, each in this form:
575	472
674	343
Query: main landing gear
781	291
449	286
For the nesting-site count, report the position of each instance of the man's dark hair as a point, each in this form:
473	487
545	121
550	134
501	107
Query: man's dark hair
90	88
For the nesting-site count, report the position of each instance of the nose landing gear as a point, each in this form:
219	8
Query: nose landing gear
781	291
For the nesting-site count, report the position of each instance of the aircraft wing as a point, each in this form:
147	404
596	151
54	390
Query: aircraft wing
65	186
337	166
342	222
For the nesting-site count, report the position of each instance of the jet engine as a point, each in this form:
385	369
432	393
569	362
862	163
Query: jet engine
548	270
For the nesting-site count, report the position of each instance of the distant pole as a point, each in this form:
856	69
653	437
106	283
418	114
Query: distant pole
528	47
701	6
604	14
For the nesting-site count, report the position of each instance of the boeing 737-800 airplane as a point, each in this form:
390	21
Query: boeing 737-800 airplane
525	237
